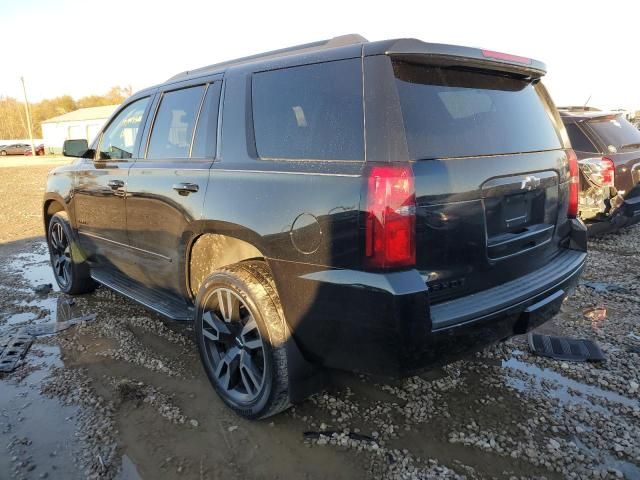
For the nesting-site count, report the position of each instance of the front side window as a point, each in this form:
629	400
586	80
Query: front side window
120	137
174	124
310	112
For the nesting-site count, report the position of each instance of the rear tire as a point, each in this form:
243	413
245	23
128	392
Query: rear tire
3	153
241	336
69	266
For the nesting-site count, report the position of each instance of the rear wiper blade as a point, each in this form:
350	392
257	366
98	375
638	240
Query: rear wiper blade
630	145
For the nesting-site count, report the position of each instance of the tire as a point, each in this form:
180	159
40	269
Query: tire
70	269
3	153
227	342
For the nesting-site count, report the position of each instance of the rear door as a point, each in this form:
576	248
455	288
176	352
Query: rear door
166	188
489	169
100	187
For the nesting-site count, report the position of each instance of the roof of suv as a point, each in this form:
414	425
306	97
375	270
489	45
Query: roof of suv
336	42
403	48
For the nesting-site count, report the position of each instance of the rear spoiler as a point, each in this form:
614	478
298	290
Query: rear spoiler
416	51
591	117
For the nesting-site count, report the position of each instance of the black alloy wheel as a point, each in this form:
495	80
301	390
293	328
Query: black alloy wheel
233	345
60	249
68	262
242	338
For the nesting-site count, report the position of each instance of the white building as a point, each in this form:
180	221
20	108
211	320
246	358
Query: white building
82	123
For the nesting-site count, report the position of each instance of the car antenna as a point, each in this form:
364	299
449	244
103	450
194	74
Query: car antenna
585	103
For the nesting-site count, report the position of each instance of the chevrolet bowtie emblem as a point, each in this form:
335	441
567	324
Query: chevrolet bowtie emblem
530	182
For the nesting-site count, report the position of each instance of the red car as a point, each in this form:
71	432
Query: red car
39	150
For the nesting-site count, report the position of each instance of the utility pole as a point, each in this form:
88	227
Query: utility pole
26	109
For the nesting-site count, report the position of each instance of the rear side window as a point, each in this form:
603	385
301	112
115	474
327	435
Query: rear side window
310	112
617	132
174	124
579	141
460	113
204	142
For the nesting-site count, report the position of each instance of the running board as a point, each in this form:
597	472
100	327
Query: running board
159	301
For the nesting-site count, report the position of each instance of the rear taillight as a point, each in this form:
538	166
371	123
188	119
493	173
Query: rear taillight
574	183
608	172
390	217
598	172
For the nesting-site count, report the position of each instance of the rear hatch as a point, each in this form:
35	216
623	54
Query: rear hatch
620	141
489	164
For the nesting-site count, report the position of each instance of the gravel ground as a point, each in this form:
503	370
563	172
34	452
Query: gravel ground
124	396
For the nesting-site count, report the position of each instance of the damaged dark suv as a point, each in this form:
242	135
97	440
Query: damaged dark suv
380	207
608	150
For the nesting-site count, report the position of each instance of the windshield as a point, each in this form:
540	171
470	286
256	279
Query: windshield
617	132
459	113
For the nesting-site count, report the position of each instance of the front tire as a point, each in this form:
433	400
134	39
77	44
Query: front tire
69	266
241	336
3	153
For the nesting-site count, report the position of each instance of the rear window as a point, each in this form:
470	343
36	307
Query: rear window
617	132
461	113
310	112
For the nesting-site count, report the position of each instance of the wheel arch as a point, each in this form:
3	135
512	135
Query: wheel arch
212	246
239	245
52	205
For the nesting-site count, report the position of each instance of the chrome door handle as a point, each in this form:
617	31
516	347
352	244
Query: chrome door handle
185	188
115	184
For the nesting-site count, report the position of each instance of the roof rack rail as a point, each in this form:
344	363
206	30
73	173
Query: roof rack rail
335	42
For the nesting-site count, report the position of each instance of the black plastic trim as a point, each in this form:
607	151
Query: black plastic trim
158	301
492	301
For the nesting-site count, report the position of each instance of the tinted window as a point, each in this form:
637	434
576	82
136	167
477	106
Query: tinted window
204	143
173	127
310	112
120	137
457	113
617	132
579	141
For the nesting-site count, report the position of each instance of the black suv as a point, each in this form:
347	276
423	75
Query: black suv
608	149
379	207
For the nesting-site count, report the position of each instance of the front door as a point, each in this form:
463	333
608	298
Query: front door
100	189
166	188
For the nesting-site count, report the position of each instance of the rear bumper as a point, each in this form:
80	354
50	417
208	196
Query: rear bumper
383	324
626	214
471	323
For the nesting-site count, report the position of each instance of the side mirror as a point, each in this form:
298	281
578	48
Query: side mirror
75	148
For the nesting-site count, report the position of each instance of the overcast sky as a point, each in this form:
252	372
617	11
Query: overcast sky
80	47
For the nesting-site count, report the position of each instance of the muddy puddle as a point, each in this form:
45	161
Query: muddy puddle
556	385
120	394
34	267
39	433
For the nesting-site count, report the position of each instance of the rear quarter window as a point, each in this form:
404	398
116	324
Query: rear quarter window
309	112
460	113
